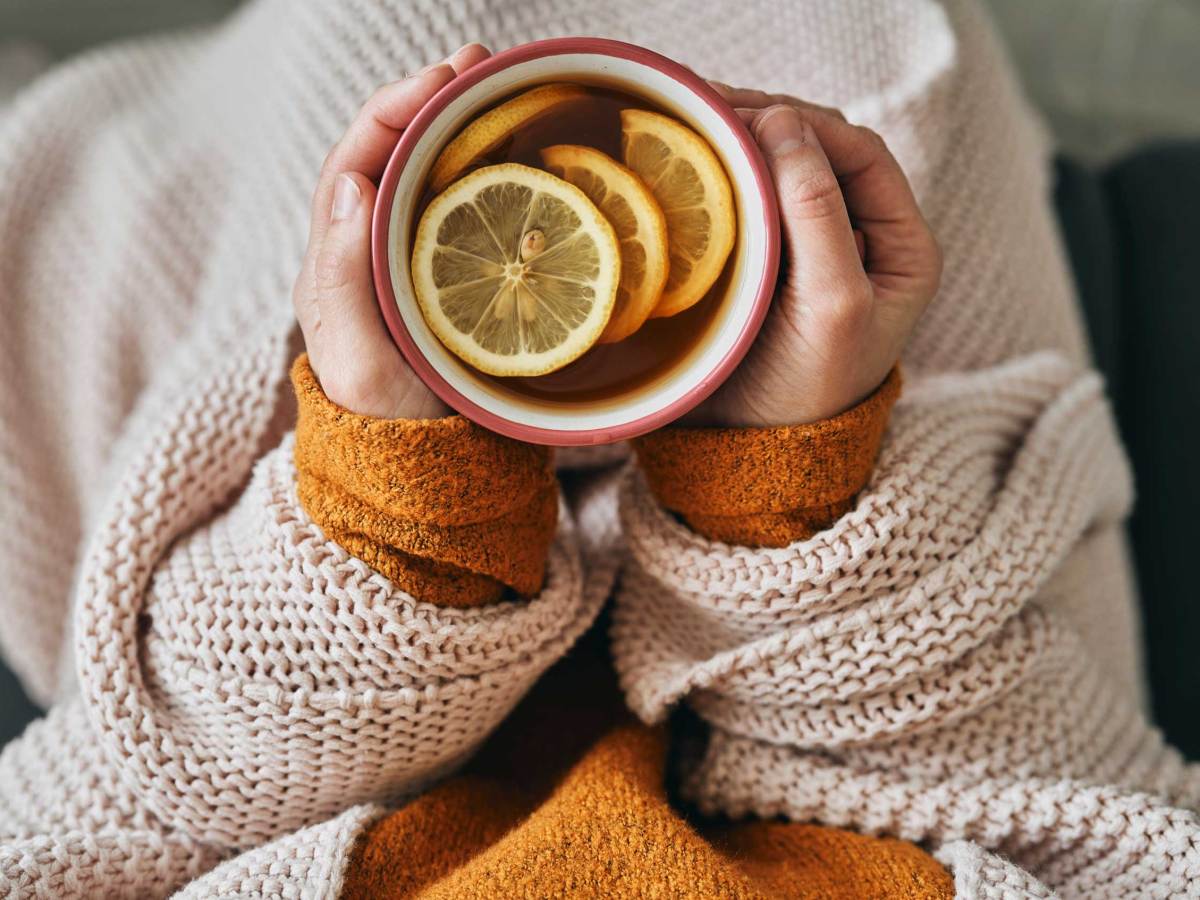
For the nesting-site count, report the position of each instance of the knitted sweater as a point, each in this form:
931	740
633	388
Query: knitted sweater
569	797
233	695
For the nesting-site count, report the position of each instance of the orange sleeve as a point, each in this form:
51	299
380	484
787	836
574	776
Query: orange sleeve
767	487
450	512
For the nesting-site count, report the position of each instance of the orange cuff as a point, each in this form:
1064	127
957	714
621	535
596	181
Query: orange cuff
449	511
767	487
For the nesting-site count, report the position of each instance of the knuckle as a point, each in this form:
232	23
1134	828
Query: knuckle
927	262
857	298
811	195
360	389
330	160
331	271
937	257
850	308
873	140
375	104
817	109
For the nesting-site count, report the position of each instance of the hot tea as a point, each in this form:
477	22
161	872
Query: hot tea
653	181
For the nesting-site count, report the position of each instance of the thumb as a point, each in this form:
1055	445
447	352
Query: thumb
352	353
817	230
344	289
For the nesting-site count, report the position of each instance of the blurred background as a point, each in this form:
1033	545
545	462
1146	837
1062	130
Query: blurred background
1108	74
1118	83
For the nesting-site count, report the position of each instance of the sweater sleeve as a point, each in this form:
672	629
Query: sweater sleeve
917	660
343	631
449	511
767	487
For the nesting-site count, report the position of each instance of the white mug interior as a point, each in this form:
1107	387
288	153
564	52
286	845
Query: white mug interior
697	367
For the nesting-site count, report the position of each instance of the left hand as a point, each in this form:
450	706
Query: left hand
860	264
349	348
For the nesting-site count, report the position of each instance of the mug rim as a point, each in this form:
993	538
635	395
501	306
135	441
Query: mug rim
385	199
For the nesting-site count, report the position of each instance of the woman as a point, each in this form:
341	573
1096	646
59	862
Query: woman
289	649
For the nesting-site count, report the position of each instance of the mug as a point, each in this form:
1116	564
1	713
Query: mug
754	259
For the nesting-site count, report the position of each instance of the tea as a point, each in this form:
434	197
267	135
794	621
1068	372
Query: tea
606	370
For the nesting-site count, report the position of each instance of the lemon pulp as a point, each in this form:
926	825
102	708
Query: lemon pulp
638	222
516	271
688	181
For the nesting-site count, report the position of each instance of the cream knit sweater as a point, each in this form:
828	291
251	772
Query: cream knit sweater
232	697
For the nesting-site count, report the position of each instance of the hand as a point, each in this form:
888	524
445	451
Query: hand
349	347
859	266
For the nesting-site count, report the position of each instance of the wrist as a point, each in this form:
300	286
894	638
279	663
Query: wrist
749	406
767	486
379	391
449	511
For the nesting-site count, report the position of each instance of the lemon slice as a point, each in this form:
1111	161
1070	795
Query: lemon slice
495	126
690	185
515	270
636	219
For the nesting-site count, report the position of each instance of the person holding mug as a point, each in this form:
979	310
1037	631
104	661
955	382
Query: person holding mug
815	638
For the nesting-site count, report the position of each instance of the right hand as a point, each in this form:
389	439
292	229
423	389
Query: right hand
349	348
860	265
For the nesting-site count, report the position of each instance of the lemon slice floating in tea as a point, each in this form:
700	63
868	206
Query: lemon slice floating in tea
515	270
690	185
495	126
639	223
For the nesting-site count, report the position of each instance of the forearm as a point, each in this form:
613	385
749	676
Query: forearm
767	487
450	512
282	679
899	671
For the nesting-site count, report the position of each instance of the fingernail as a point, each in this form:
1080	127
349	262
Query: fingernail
781	130
346	196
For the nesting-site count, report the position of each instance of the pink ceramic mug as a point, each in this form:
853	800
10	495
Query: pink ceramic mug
726	339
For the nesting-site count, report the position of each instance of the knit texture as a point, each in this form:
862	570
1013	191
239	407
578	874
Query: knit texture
570	796
767	486
442	507
899	674
223	673
568	800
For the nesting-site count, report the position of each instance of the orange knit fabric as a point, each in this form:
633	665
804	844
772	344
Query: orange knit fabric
444	508
767	487
569	797
568	800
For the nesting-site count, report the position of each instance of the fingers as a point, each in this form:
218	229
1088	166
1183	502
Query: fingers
333	306
860	244
351	353
898	247
368	142
371	137
334	296
900	251
817	230
466	56
747	98
337	312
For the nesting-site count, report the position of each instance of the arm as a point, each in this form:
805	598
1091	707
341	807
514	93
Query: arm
349	628
905	662
908	670
447	510
270	680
